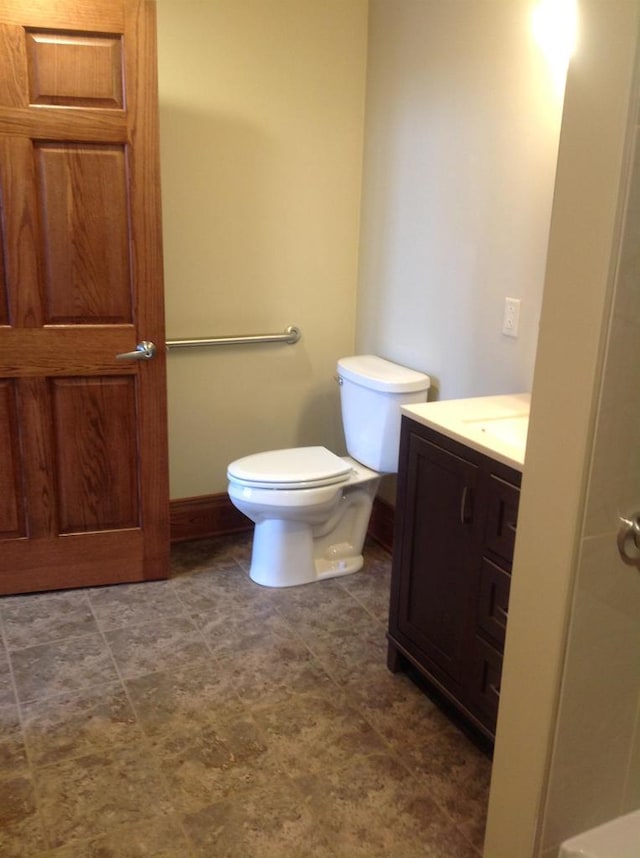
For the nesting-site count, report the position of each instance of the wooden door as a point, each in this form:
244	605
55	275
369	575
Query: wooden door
83	450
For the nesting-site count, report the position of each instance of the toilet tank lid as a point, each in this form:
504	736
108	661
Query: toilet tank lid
380	374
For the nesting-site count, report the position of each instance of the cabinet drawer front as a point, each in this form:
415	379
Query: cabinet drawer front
484	682
493	600
502	516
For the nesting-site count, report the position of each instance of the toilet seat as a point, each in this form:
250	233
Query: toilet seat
292	468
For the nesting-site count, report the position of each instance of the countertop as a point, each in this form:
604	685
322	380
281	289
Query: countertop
494	425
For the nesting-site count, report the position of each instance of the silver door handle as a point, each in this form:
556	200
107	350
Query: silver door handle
629	540
144	351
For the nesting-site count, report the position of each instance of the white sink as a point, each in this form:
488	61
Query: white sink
494	425
510	430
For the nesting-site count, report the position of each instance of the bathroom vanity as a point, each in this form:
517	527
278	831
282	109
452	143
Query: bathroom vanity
458	491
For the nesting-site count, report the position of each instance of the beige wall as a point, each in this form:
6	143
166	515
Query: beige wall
461	144
567	581
261	121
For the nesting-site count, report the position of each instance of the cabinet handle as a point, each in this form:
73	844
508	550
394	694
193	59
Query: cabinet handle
501	615
466	515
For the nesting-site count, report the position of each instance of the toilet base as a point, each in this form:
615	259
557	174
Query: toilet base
308	534
283	556
338	568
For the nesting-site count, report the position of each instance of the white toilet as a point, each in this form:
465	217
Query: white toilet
619	838
311	508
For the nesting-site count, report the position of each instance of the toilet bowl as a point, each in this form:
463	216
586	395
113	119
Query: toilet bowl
311	508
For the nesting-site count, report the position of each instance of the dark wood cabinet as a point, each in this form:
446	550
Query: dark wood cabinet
455	526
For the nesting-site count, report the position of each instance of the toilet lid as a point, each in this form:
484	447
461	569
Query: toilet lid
295	468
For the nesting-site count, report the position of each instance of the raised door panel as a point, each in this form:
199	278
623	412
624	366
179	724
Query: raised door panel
22	261
94	423
12	518
4	298
85	223
71	69
37	449
436	573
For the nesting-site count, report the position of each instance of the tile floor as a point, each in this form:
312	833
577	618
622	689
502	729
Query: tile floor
207	716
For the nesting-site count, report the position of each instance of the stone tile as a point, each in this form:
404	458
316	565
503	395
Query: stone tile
43	617
90	796
228	761
74	725
319	616
222	589
347	653
270	823
175	707
13	755
305	595
370	586
312	733
243	547
132	604
198	554
457	774
276	673
153	646
62	666
399	711
21	832
159	838
369	807
252	626
7	694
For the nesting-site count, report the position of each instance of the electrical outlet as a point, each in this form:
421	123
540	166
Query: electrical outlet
511	318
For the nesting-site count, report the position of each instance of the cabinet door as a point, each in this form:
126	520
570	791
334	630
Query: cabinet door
436	558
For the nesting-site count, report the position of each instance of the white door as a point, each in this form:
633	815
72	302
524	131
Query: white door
595	768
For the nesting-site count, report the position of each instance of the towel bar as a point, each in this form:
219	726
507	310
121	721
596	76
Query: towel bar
291	335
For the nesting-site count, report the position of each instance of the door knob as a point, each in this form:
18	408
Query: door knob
629	539
143	351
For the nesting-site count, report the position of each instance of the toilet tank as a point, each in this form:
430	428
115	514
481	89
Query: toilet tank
371	392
